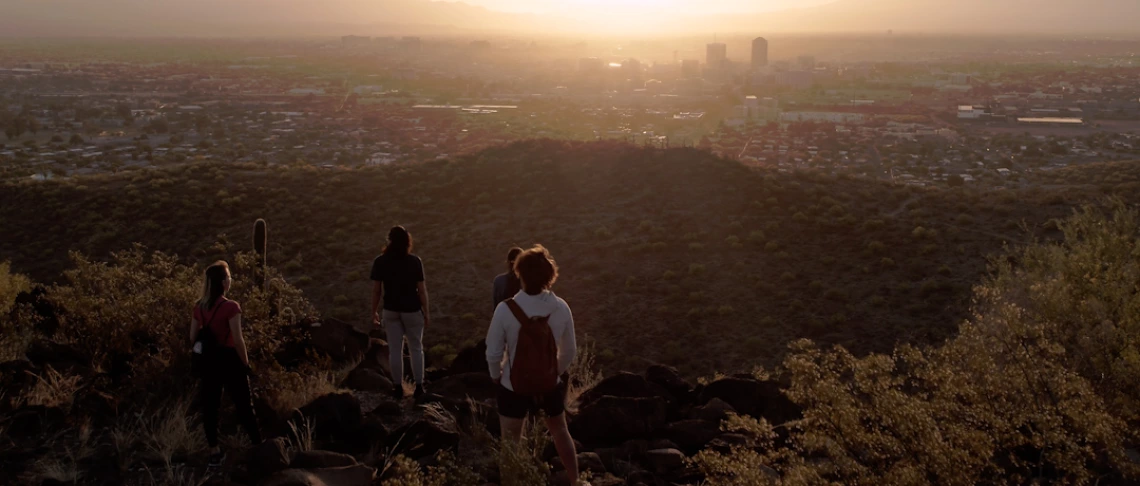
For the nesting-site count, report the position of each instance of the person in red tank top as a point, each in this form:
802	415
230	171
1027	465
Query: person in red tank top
230	369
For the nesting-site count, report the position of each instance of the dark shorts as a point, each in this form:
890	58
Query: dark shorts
513	405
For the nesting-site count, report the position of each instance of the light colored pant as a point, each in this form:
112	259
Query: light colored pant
402	325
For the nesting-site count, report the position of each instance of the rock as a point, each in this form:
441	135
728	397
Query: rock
550	453
668	378
339	339
587	461
33	420
377	357
661	444
692	435
611	419
477	385
367	379
362	438
16	378
334	415
321	459
665	460
724	443
339	476
760	399
269	457
607	479
624	384
64	358
471	359
100	406
715	410
425	437
635	449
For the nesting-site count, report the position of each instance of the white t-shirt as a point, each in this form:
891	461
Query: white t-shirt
503	335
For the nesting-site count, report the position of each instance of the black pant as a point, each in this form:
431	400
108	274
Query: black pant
230	376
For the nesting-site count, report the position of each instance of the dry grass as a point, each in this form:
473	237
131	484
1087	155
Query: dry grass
64	467
170	430
301	436
53	389
584	373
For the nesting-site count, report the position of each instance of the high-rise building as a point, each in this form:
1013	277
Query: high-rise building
759	52
716	55
691	68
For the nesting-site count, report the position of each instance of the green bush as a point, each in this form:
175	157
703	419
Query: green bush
1037	388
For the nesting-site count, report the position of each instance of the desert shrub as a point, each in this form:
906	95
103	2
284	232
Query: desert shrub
138	305
16	328
1034	389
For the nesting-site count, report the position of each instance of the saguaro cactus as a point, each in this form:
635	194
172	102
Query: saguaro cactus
260	240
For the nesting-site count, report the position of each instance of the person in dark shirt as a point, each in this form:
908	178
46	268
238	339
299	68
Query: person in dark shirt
506	285
398	283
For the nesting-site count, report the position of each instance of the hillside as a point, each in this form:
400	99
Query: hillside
667	256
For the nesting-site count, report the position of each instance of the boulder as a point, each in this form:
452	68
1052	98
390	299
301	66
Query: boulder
715	410
550	453
377	357
33	420
425	437
724	443
691	435
665	460
472	359
357	475
624	384
339	339
321	459
334	415
369	434
63	358
267	458
16	378
760	399
477	385
611	419
668	378
367	379
587	461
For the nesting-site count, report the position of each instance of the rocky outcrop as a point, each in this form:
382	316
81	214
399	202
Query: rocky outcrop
616	419
339	339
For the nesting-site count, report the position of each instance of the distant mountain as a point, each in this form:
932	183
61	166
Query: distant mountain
243	17
378	17
959	16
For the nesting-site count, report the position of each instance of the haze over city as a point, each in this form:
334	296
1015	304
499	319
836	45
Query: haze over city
39	18
569	242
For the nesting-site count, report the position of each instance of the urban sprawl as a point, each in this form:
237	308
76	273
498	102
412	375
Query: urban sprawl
362	101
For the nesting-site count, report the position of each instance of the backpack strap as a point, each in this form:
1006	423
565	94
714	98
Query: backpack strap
517	311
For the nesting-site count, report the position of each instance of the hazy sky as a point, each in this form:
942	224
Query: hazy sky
624	17
601	6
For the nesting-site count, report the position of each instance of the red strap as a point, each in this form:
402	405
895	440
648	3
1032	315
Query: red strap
517	311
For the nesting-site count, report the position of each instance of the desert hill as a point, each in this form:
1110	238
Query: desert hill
673	256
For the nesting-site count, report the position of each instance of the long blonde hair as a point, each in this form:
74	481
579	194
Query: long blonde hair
214	284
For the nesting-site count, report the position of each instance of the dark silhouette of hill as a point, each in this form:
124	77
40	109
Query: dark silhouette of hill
667	255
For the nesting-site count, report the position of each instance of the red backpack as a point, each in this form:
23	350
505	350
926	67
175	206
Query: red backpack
534	369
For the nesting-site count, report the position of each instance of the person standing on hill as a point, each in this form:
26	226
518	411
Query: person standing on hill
530	345
506	285
398	282
221	358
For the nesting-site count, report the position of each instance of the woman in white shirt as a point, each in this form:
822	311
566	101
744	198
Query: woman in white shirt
537	271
